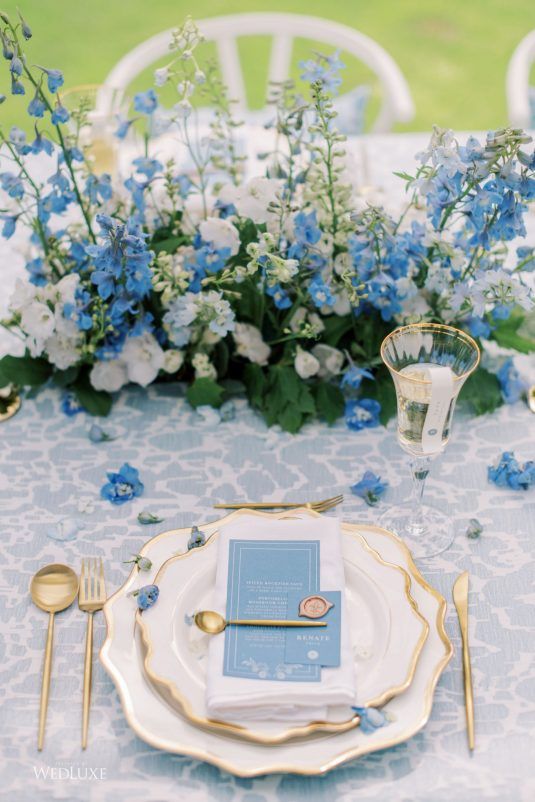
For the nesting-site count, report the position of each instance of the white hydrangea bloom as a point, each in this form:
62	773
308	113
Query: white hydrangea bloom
305	364
330	360
203	367
249	344
173	360
253	198
221	234
109	375
143	358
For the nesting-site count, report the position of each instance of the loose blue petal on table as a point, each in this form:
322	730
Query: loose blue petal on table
362	413
371	719
146	596
197	538
370	488
143	563
122	486
98	435
70	405
146	517
508	472
64	530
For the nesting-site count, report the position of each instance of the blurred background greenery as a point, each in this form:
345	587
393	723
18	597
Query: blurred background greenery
453	53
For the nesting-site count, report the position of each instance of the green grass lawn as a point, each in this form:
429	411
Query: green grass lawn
453	53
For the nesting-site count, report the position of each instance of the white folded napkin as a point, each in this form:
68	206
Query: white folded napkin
241	699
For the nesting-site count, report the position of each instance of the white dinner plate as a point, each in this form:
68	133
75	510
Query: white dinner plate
387	632
160	726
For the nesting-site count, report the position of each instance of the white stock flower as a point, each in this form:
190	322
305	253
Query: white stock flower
143	358
305	364
330	360
253	198
63	351
161	75
109	375
221	234
173	360
37	321
249	343
203	367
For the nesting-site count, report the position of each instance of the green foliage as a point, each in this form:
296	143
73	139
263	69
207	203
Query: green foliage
382	390
25	371
330	402
481	392
205	392
95	402
508	333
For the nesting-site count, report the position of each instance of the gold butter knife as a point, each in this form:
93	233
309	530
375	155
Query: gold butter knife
460	598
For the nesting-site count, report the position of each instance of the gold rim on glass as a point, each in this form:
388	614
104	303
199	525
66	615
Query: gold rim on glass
432	327
171	693
226	765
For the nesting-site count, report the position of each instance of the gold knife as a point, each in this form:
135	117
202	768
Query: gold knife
460	598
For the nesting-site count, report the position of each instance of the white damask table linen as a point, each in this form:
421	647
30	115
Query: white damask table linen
51	470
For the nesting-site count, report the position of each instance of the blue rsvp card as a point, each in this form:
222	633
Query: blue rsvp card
315	645
261	575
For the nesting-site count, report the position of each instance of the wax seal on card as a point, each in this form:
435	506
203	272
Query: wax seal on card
314	606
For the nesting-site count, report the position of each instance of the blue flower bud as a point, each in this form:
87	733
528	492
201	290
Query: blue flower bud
60	114
17	88
26	30
16	66
36	107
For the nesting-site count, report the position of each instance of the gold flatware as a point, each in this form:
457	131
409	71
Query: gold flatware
531	397
91	598
53	589
460	598
212	623
317	506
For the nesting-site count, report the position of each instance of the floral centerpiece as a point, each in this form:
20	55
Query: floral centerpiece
280	285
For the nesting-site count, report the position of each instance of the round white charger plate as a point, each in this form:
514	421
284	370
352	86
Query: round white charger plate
160	726
387	632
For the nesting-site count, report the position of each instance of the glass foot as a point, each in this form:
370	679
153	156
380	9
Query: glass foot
434	537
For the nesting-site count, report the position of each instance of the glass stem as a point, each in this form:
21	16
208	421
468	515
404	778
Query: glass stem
420	467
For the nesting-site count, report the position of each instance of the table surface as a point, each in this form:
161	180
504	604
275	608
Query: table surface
187	465
49	467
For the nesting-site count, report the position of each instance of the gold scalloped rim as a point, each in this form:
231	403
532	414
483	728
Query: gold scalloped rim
322	768
170	692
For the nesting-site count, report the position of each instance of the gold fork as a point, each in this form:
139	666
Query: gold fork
318	506
91	598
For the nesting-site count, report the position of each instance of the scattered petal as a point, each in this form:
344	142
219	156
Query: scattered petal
197	538
98	435
474	529
509	473
146	596
370	488
143	563
371	719
64	530
147	517
86	505
122	486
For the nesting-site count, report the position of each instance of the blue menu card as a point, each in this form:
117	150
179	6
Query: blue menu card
261	575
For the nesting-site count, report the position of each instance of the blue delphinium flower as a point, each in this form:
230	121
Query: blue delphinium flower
281	299
123	127
353	377
479	327
146	596
370	488
36	107
54	79
12	184
362	413
325	69
60	114
511	384
306	229
320	292
70	405
10	223
509	473
16	67
146	102
36	269
197	538
148	167
371	719
122	486
98	188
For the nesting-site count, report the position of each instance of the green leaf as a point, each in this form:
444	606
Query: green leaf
65	377
290	419
169	245
404	176
507	335
482	392
329	402
95	402
24	370
335	328
255	382
204	392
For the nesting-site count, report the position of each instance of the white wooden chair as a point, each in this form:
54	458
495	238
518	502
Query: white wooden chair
519	96
396	101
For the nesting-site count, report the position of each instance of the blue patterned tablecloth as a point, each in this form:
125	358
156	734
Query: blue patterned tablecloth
49	471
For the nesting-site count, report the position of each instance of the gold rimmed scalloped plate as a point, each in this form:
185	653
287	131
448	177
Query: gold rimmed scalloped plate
159	725
388	635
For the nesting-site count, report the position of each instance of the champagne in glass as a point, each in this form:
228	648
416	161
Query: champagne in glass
429	364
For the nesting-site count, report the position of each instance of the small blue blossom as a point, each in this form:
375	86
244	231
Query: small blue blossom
10	223
70	405
306	229
197	538
362	413
146	596
122	486
36	107
98	188
511	384
146	102
16	66
60	114
54	79
479	327
123	128
17	88
509	473
371	719
320	292
353	377
281	299
370	488
148	167
12	184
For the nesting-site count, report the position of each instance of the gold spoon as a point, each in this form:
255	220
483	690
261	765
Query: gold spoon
531	398
53	588
212	623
